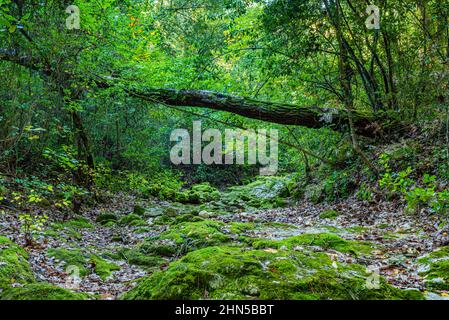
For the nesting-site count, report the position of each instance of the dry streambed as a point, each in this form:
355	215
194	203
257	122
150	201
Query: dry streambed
158	250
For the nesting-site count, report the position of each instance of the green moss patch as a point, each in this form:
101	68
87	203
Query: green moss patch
329	214
434	267
41	291
199	193
197	234
102	267
132	220
106	218
14	267
324	240
237	273
84	261
77	223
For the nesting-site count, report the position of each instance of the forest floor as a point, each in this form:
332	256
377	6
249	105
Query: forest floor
399	240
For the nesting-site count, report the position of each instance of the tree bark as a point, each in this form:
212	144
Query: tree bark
274	112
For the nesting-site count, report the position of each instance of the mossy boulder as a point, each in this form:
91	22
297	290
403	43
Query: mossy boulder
41	291
238	273
182	238
71	257
325	241
199	193
106	218
196	234
264	193
14	266
102	267
434	267
85	262
139	210
76	223
132	220
137	257
329	214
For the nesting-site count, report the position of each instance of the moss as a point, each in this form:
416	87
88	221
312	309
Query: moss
102	267
357	229
106	218
41	291
84	261
182	238
136	257
434	267
51	233
14	266
132	220
139	210
240	227
237	273
166	249
142	230
196	234
186	218
164	220
324	240
70	229
71	257
329	214
199	193
264	193
77	223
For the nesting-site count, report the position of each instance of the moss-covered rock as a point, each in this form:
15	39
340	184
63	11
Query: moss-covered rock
329	214
14	267
69	229
182	238
41	291
324	240
137	257
72	257
76	223
199	193
85	262
434	267
196	234
132	220
139	210
264	193
237	273
106	218
102	267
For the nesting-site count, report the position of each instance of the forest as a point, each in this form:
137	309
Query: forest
224	150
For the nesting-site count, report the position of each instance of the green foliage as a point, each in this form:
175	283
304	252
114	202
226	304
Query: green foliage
417	196
364	193
31	225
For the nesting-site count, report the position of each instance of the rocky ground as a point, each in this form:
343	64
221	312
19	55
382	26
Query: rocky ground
124	240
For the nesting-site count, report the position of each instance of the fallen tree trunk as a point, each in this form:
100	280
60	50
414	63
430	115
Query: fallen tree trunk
274	112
